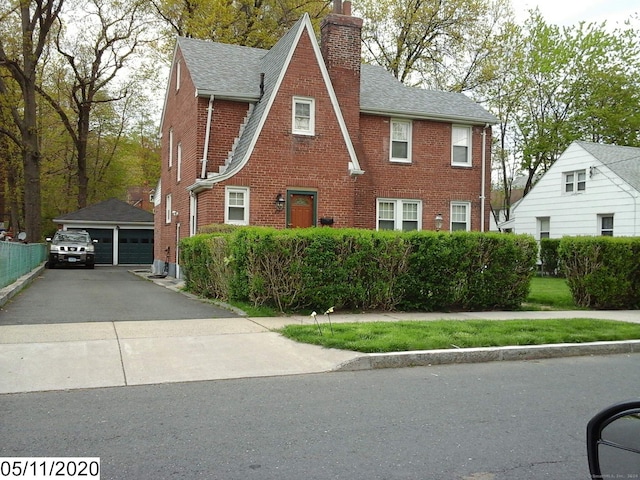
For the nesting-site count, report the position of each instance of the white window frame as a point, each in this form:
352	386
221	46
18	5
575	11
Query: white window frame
296	128
458	139
608	231
168	211
170	161
228	204
454	218
409	133
179	162
178	74
543	227
572	179
398	212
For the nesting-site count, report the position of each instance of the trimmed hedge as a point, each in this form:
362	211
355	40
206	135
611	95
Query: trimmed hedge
319	268
602	272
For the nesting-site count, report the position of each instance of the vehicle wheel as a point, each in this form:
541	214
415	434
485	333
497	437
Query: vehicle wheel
90	265
50	264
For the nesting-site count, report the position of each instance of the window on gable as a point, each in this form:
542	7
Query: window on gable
461	146
178	73
400	141
236	210
460	216
544	227
606	225
575	181
303	116
399	214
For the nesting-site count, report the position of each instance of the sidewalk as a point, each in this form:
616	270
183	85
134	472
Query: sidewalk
108	354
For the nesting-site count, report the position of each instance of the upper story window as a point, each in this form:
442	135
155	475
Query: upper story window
178	74
544	227
167	209
236	209
303	116
179	162
400	141
575	181
170	161
398	214
460	216
461	146
606	225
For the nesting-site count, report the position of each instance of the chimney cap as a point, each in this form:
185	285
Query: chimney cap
341	7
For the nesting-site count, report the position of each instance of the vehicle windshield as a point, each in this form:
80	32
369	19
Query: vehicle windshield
72	237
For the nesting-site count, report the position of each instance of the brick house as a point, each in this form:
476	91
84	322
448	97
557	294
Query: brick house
304	135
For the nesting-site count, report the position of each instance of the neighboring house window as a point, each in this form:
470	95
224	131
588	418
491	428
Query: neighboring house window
461	146
167	210
236	206
575	181
544	229
460	216
400	141
606	225
397	214
303	116
170	147
179	162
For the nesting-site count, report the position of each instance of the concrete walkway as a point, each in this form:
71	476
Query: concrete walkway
107	354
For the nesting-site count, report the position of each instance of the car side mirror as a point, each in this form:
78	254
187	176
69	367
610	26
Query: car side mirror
48	239
613	441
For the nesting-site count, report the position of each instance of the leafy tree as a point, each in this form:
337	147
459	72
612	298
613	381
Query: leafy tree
447	45
253	23
37	19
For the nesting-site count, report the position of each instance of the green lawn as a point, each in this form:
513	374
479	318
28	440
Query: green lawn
405	336
550	293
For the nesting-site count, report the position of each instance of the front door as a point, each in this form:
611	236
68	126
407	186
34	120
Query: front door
301	211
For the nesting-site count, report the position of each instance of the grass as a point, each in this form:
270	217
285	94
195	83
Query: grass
550	293
415	335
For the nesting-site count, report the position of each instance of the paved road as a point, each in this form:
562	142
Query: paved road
497	421
105	294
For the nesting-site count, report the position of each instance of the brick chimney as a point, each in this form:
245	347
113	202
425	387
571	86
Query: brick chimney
340	43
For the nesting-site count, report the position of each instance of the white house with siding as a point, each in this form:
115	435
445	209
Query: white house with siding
592	189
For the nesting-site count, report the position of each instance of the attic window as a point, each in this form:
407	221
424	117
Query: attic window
303	116
575	182
178	73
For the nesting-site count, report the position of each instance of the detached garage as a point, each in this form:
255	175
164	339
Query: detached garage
124	232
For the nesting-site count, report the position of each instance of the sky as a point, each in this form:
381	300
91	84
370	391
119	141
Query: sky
561	12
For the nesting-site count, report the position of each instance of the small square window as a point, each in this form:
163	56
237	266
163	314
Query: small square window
237	206
575	181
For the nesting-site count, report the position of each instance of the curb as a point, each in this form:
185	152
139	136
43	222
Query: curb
8	292
423	358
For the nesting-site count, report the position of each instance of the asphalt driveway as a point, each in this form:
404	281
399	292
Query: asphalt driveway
104	294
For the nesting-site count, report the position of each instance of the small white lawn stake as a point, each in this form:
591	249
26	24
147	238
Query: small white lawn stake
328	314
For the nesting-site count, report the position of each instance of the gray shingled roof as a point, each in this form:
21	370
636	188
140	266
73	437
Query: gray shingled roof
232	71
623	161
111	211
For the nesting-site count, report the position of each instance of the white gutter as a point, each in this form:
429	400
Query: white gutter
205	154
484	174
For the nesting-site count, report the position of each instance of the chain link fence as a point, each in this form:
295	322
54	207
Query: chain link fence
18	259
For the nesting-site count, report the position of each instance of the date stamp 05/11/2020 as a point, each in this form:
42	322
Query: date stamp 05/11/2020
40	468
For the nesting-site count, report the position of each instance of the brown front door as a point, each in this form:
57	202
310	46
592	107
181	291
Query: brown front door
301	210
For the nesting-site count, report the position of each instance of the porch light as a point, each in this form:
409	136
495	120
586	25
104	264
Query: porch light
438	222
280	201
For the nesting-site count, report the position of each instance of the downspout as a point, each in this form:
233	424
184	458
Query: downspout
484	174
205	154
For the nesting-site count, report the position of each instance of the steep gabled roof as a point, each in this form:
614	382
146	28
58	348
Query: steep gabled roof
623	161
108	211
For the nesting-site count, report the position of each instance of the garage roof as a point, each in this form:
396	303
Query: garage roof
109	211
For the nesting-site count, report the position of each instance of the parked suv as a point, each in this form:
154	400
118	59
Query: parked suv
71	247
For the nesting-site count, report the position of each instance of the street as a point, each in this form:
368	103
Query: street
505	421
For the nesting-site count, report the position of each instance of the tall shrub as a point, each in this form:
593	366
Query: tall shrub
602	272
